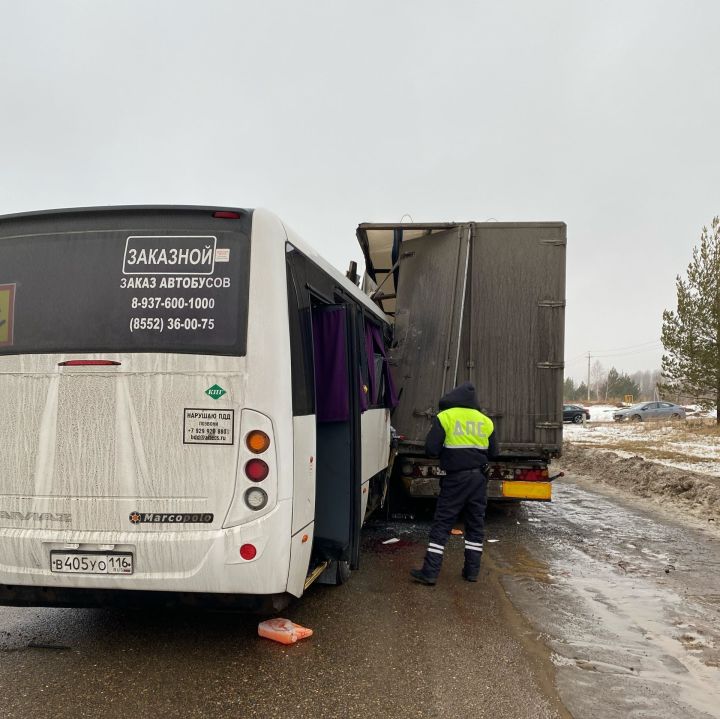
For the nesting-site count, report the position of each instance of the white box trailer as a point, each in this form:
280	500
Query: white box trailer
481	302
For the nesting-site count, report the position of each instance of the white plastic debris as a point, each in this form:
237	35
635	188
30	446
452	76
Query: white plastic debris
391	541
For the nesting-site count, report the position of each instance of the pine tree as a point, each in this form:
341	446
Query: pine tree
569	389
691	334
619	384
581	392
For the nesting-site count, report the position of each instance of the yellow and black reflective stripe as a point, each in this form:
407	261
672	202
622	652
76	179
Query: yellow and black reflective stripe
465	428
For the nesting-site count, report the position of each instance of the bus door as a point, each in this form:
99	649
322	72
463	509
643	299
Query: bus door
338	494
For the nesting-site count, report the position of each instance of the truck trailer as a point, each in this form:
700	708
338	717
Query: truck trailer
481	302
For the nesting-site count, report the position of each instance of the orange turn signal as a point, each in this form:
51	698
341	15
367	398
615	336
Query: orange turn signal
257	441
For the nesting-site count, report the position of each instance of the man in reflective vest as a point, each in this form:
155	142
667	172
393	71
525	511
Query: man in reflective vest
464	439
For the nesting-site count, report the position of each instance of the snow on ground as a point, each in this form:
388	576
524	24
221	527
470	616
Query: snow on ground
602	412
678	489
692	445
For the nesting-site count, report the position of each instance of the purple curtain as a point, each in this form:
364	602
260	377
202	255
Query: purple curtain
331	376
369	353
390	399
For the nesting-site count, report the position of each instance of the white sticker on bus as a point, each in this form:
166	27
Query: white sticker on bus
169	255
209	426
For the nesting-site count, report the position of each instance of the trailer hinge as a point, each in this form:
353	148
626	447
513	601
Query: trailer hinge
548	425
429	413
550	365
558	243
492	413
551	303
470	364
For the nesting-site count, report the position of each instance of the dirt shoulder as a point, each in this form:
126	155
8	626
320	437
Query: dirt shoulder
693	446
690	493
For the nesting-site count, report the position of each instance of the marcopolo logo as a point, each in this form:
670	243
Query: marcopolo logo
172	518
216	391
169	255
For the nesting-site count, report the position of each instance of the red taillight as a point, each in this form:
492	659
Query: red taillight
248	551
89	363
226	215
531	475
256	470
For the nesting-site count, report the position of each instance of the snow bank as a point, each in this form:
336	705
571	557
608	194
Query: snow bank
667	444
696	493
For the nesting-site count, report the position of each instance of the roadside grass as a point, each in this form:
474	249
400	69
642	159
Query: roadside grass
701	428
695	441
648	450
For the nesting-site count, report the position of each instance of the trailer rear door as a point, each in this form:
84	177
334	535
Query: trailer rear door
513	335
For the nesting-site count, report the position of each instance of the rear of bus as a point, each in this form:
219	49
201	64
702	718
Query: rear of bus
144	358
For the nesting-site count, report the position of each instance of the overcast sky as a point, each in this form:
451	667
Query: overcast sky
601	114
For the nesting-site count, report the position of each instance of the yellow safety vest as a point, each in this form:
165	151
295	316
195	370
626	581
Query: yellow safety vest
465	428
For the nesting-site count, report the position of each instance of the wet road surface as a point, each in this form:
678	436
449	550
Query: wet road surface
383	646
627	599
589	607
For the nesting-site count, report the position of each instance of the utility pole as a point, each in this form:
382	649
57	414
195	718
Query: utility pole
588	379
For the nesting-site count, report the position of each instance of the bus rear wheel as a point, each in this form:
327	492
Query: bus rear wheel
337	573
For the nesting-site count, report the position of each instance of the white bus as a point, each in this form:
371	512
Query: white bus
195	409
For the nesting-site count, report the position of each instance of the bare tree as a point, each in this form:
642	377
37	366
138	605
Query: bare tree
598	379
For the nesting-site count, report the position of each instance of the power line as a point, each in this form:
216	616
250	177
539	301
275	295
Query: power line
628	347
627	354
609	354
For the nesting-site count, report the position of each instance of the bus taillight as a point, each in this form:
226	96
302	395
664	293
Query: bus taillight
256	499
256	470
257	442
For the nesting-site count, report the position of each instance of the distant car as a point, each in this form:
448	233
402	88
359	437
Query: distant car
574	413
646	411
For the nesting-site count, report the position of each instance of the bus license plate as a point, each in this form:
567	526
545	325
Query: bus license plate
91	563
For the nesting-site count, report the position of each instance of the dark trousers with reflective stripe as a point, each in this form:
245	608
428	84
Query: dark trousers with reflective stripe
461	493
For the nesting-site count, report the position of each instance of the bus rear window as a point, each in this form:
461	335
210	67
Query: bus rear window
116	290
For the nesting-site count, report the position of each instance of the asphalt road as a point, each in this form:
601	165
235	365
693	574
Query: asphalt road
383	646
627	598
575	615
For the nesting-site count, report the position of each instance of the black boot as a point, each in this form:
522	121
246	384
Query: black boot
473	557
419	576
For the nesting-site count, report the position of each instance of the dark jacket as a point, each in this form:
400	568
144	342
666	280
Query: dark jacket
458	460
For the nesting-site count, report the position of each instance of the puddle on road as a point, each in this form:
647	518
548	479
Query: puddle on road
630	637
